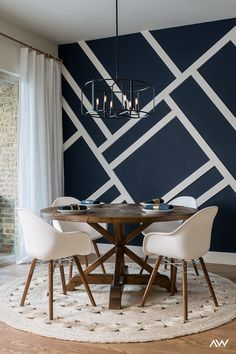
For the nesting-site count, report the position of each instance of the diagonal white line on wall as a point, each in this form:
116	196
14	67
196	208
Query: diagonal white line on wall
96	153
173	85
75	87
233	39
192	70
118	199
188	181
101	190
161	53
211	192
215	99
202	143
118	134
71	140
138	143
100	68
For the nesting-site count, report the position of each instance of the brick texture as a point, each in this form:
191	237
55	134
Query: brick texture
8	165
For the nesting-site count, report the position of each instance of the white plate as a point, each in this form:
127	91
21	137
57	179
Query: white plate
71	212
154	211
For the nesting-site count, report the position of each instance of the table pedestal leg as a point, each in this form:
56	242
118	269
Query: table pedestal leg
120	270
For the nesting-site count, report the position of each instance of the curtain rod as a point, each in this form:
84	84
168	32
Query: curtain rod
29	46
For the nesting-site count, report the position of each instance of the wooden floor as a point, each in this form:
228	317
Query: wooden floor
18	342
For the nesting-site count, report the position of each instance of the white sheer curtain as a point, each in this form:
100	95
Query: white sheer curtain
40	157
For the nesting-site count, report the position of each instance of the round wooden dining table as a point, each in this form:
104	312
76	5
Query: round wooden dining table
119	215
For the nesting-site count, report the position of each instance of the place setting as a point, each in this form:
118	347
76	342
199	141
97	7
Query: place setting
77	208
156	205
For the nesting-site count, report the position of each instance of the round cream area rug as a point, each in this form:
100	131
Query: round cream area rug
75	319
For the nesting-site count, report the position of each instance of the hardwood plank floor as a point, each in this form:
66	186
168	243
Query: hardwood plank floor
18	342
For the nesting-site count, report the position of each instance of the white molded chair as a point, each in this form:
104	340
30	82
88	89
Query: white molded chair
168	226
45	243
77	226
191	240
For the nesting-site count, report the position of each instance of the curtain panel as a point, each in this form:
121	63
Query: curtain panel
40	145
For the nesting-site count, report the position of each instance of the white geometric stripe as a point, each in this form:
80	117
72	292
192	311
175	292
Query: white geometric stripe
180	78
215	99
161	53
86	102
105	187
144	138
99	156
71	140
202	143
211	192
188	181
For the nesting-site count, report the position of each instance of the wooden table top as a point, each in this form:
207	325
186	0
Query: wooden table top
119	213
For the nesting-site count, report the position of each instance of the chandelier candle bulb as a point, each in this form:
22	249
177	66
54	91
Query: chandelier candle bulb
136	104
104	102
97	103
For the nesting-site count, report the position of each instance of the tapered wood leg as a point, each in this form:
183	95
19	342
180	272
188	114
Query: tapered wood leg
28	281
208	281
145	260
63	283
70	270
50	289
151	280
86	261
98	255
173	280
84	280
195	267
185	289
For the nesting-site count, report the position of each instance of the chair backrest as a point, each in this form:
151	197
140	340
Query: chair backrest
42	241
39	236
193	237
186	201
168	226
66	226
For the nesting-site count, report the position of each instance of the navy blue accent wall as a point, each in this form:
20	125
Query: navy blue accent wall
190	138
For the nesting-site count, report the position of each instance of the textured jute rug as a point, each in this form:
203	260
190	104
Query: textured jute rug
75	319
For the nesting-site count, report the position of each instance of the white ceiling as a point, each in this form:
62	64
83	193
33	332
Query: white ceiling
64	21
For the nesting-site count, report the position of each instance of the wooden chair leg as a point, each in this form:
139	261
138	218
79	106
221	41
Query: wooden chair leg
173	280
63	282
145	260
98	255
70	270
185	289
28	281
208	281
86	261
151	280
84	280
50	289
195	267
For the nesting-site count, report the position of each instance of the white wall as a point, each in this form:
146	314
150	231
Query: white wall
10	50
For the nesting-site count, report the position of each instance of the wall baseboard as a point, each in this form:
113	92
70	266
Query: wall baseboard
210	257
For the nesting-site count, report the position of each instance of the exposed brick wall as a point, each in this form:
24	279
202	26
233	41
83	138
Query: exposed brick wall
8	165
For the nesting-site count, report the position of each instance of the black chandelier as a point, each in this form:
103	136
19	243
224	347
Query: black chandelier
118	98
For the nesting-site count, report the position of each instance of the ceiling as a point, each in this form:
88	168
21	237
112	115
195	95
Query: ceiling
65	21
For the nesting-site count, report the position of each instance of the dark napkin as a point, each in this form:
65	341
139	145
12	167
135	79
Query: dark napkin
72	207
